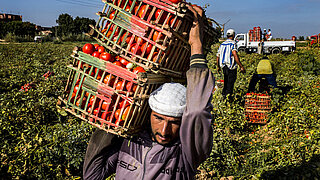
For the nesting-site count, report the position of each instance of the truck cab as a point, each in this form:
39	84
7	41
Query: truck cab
241	40
244	45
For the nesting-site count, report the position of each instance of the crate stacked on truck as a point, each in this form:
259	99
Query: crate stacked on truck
255	34
142	44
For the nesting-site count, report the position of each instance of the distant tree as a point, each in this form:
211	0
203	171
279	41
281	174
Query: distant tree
67	25
17	28
2	29
301	38
81	25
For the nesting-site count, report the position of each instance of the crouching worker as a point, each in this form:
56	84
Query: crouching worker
180	136
265	75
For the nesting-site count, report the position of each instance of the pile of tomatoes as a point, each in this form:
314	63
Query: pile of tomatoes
100	52
104	108
133	43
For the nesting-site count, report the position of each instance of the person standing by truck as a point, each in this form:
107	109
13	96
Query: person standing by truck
264	35
269	35
228	60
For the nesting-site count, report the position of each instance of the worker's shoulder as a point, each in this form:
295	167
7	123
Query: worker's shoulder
228	42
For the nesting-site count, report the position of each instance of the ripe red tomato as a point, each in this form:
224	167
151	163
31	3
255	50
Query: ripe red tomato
154	57
175	1
135	10
111	16
106	56
123	2
109	33
117	114
133	88
157	35
127	39
163	17
88	48
121	104
120	85
109	79
96	46
146	48
106	115
114	39
76	88
99	77
84	99
138	69
125	113
101	49
139	40
72	97
170	22
104	105
135	49
91	100
143	9
118	63
127	8
95	111
96	54
123	61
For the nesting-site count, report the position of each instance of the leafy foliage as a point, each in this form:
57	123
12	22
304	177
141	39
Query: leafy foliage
38	143
17	28
286	147
67	25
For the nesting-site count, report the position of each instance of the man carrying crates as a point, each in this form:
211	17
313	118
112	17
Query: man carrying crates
180	136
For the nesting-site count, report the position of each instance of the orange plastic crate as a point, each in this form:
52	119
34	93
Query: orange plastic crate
108	96
151	33
257	107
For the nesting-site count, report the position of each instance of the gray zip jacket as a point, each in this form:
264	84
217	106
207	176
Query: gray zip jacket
140	158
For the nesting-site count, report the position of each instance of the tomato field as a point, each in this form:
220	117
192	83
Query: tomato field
38	142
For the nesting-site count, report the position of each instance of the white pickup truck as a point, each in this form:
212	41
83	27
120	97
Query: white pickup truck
267	47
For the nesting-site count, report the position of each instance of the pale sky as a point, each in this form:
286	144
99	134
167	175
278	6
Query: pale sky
284	17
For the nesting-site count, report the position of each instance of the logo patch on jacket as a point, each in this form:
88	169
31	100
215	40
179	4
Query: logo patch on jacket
126	165
171	171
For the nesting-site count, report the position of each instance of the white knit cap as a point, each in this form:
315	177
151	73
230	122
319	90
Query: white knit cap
169	99
230	32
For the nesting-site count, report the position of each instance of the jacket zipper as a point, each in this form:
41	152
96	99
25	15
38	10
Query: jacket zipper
144	163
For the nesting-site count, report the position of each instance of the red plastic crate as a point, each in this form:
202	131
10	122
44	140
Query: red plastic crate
126	26
257	107
108	96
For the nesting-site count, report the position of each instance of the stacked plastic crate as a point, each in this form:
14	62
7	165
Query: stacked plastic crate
151	36
255	34
257	107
